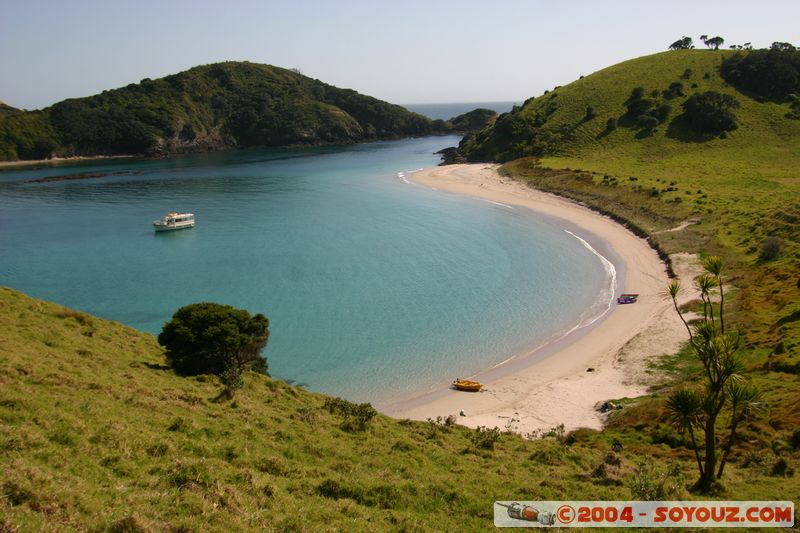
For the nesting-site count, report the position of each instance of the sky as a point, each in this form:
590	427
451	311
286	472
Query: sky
405	52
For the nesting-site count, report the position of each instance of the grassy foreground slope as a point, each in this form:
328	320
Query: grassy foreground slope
95	434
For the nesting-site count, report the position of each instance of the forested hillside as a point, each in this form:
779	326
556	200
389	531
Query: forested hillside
223	105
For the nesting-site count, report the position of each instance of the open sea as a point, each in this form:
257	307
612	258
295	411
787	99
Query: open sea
375	287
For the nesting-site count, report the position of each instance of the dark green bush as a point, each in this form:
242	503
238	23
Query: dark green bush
770	248
209	338
773	74
710	112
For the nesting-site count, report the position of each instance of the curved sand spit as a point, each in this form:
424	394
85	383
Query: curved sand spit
551	386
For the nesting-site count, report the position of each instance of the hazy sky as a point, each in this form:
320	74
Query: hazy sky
402	51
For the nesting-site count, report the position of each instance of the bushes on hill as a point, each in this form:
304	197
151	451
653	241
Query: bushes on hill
210	338
772	74
356	415
710	112
637	104
675	90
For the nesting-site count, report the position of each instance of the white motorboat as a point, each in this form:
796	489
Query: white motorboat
173	221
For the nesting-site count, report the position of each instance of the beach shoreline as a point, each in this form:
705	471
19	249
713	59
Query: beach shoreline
552	385
56	161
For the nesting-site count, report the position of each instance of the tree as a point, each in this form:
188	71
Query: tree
637	104
647	122
723	390
210	338
710	112
773	74
684	43
782	46
675	90
716	42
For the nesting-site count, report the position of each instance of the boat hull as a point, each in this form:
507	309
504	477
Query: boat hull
466	385
172	227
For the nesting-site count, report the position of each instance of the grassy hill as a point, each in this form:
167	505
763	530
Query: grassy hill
223	105
739	192
6	110
97	434
740	188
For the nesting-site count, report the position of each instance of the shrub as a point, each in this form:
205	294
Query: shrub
710	112
781	468
770	248
637	105
356	416
209	338
647	122
675	90
795	440
484	438
662	113
651	483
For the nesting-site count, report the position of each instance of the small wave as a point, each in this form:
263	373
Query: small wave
498	203
404	175
608	293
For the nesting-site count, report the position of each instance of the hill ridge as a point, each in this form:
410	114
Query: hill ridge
207	107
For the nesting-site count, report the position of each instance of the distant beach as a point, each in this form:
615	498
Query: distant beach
563	382
23	163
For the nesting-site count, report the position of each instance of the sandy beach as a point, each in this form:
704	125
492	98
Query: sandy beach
54	161
539	390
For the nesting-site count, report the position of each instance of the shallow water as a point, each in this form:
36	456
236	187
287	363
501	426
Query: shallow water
375	287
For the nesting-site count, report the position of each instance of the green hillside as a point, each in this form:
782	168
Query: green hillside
733	192
6	110
96	431
223	105
97	434
740	187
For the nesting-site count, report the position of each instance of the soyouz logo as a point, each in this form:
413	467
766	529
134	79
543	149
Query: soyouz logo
644	514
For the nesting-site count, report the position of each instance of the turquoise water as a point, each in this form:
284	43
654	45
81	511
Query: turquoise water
375	287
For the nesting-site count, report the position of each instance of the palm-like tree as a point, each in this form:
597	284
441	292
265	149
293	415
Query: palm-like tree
706	283
673	289
723	367
714	266
684	408
723	385
745	399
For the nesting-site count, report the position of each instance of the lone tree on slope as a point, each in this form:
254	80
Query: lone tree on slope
210	338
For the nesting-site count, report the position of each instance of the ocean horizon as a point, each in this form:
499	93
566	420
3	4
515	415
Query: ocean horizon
446	111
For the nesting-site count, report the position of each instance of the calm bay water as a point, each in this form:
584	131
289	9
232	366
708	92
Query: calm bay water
374	287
